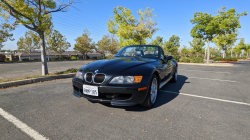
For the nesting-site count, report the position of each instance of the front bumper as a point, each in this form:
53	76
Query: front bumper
116	95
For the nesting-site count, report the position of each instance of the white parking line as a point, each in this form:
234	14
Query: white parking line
22	126
203	71
216	99
213	79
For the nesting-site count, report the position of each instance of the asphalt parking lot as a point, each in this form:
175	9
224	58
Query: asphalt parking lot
206	103
15	70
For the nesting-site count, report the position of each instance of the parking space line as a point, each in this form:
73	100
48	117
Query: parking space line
216	99
22	126
214	79
204	71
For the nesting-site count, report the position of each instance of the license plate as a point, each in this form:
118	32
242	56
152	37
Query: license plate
90	90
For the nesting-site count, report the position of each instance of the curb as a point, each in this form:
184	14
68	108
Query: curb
227	61
212	64
35	80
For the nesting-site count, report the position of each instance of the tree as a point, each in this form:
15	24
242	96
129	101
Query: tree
84	44
225	42
208	26
102	45
242	46
172	44
158	41
132	31
5	34
184	50
215	52
29	43
108	44
248	49
197	45
237	50
58	43
34	15
113	47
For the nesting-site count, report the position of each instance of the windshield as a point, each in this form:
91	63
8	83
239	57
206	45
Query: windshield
139	51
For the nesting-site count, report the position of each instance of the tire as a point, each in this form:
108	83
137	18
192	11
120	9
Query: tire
151	96
174	77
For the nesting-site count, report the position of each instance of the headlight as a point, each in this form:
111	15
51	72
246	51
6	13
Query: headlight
79	75
126	79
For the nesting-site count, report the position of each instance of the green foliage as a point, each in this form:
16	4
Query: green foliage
74	58
185	59
58	43
84	44
225	59
197	44
5	33
158	41
208	26
225	41
172	44
184	50
197	60
177	57
29	43
35	15
192	59
132	31
243	46
108	44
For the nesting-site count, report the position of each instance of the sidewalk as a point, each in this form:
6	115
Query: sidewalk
211	64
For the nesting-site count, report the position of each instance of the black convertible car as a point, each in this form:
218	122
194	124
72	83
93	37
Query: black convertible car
133	76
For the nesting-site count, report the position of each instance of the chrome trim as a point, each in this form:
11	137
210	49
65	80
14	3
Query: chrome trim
85	77
93	78
164	83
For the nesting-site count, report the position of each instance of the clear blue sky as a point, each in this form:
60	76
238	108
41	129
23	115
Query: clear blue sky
173	17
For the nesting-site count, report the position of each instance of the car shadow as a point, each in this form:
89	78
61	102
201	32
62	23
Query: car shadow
163	96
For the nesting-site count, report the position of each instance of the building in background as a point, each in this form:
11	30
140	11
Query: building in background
49	55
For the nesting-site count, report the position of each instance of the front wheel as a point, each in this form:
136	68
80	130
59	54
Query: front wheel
152	93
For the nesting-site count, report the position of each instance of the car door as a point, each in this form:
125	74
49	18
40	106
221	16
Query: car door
163	67
168	65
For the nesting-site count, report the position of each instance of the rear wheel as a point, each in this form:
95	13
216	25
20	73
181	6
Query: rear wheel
174	77
152	93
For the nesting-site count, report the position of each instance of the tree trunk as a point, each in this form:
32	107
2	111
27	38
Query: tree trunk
205	53
223	53
208	51
196	54
140	41
48	55
29	55
43	54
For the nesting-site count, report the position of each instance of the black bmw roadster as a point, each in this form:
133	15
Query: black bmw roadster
133	76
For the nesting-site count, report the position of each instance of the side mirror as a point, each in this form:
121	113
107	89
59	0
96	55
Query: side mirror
169	57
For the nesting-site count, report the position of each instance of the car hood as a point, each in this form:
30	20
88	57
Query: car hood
115	65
